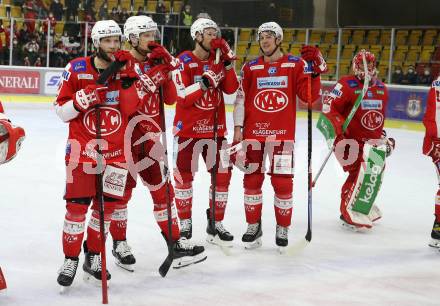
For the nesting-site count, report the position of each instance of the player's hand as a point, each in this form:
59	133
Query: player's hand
89	97
227	55
159	53
435	152
213	76
312	55
154	78
123	56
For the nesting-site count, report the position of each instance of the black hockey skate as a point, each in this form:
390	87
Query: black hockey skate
123	256
92	266
252	237
218	235
67	272
186	228
186	254
435	235
281	236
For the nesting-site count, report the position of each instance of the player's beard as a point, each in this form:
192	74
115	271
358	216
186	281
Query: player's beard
202	46
103	55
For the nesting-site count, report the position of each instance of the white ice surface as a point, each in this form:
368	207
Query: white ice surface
391	265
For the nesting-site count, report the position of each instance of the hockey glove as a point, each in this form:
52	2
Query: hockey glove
313	55
160	53
88	97
123	56
227	55
435	151
154	78
11	137
213	76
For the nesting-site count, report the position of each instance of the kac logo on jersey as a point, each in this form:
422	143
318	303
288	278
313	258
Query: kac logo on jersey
271	100
111	121
272	70
272	82
151	107
210	98
372	120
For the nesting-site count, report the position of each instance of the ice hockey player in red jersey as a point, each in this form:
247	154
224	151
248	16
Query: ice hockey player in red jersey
264	120
11	138
205	82
363	146
75	104
431	147
148	67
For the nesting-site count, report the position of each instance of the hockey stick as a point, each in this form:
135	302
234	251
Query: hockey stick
308	237
165	266
102	79
350	116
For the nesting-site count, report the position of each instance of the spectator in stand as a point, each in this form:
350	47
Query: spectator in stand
31	49
115	15
425	78
396	78
17	52
59	55
57	9
24	34
30	14
186	17
160	12
72	9
71	27
124	15
72	47
38	62
228	35
409	78
26	61
103	11
141	11
50	19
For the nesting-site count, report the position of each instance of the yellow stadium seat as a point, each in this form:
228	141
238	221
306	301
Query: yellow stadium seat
241	48
428	38
399	55
295	49
332	52
111	4
385	37
315	37
385	56
177	6
300	36
2	11
126	5
346	36
254	50
347	52
373	36
151	6
245	35
288	35
16	12
401	37
358	37
414	37
59	27
425	56
330	37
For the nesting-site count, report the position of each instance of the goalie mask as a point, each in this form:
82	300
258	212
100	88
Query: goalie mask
358	65
11	138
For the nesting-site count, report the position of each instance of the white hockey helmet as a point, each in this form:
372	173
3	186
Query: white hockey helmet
105	28
200	25
135	25
272	27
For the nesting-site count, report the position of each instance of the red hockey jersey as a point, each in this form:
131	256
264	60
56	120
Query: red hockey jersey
195	114
432	117
81	142
270	90
369	118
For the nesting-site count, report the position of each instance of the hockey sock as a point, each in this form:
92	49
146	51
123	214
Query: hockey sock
160	211
184	195
283	205
221	198
73	229
118	225
253	203
93	232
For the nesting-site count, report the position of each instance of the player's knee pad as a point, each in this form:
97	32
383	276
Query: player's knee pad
160	195
282	185
253	181
182	177
76	211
